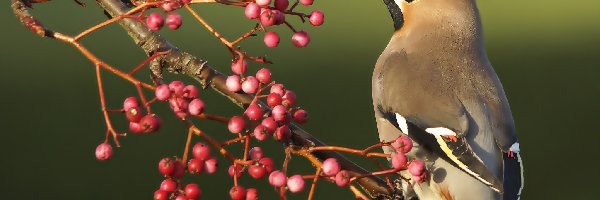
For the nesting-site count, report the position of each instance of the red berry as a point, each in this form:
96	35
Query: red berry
267	18
168	185
174	21
181	197
277	178
211	165
281	5
257	172
134	114
186	1
259	133
263	2
416	167
179	170
256	153
253	112
178	104
201	151
236	124
283	133
252	11
177	88
295	183
289	98
403	144
306	2
316	18
301	116
279	17
278	88
263	75
195	166
135	127
196	107
233	83
239	66
237	193
271	39
399	161
267	163
104	151
235	170
150	123
250	85
331	167
278	113
161	195
300	39
130	102
251	194
154	21
169	6
192	191
274	99
190	92
342	178
166	166
269	124
162	92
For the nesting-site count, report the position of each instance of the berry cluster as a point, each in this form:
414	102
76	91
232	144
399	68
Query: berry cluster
401	146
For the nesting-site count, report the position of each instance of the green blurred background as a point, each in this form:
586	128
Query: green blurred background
545	52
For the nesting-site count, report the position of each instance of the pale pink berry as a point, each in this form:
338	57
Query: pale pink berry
416	167
135	127
236	124
283	133
196	107
239	66
162	92
402	144
211	165
235	170
342	178
256	153
267	163
331	167
300	39
269	124
169	6
278	88
277	178
177	88
257	172
168	185
192	191
267	18
399	161
251	194
271	39
316	18
289	98
263	2
281	5
130	102
174	21
263	75
178	104
295	183
134	114
252	11
250	85
201	151
190	92
260	134
306	2
301	116
150	123
279	113
104	151
195	166
237	193
154	21
233	83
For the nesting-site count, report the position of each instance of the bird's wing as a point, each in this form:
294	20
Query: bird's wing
410	99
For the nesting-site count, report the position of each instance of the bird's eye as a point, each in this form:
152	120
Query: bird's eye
409	1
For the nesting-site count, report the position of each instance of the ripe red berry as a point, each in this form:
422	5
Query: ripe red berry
177	88
190	92
281	5
201	151
277	178
257	172
211	165
399	161
260	133
279	17
239	66
135	127
300	39
154	21
237	193
181	197
174	21
251	194
169	6
234	170
267	163
104	151
271	39
283	133
252	11
279	113
192	191
295	183
168	185
196	107
256	153
130	102
267	18
289	98
278	88
195	166
301	116
162	92
274	99
150	123
134	114
306	2
403	144
161	195
269	124
179	169
250	85
236	124
316	18
166	166
416	167
263	2
263	75
253	112
233	83
331	167
342	178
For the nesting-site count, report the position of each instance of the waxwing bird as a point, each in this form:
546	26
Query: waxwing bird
435	84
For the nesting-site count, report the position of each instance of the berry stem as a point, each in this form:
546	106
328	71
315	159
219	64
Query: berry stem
187	144
313	186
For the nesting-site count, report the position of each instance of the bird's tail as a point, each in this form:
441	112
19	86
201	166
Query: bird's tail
513	176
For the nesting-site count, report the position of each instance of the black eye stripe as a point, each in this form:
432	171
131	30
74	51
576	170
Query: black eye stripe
409	1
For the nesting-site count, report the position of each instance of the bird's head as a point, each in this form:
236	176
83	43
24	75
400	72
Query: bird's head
432	11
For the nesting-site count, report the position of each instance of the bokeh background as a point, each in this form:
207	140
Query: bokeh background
545	52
